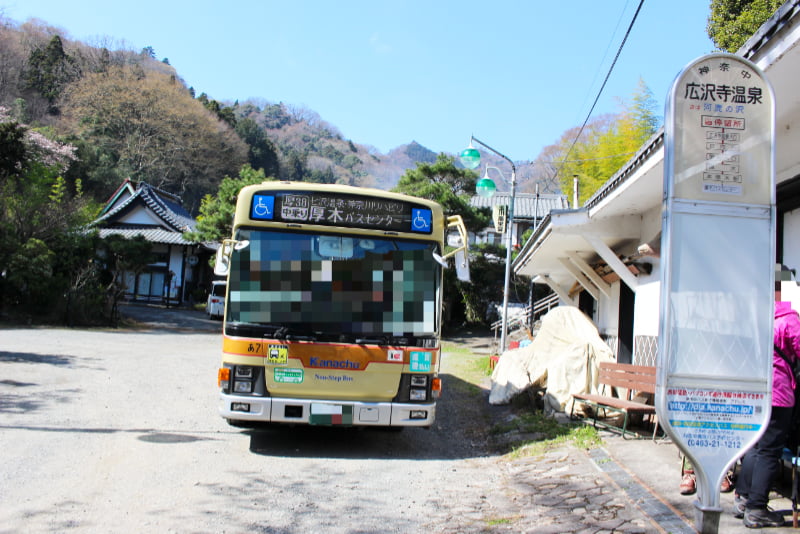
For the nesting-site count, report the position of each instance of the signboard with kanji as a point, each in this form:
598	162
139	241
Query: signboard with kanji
339	209
713	394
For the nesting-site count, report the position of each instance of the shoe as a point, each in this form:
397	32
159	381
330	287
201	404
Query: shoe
726	486
688	483
739	505
762	517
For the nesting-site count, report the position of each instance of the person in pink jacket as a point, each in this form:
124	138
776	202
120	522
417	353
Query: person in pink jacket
761	463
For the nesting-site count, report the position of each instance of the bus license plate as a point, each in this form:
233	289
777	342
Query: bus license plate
330	414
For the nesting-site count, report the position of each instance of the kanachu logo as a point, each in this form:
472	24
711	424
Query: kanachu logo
333	364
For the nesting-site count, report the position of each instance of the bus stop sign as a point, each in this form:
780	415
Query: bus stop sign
714	376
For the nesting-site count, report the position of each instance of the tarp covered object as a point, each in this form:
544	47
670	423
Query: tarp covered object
563	359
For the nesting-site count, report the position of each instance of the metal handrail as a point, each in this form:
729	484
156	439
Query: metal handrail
545	304
528	315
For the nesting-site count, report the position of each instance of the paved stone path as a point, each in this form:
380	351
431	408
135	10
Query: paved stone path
568	490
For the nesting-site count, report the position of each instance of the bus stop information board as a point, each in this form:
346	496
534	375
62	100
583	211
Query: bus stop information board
714	380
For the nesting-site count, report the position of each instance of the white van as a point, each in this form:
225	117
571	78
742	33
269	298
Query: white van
215	307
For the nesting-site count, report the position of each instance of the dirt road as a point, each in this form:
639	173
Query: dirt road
117	431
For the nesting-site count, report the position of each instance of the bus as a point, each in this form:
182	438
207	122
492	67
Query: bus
333	310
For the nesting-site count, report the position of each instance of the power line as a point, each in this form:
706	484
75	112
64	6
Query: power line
608	75
605	53
583	159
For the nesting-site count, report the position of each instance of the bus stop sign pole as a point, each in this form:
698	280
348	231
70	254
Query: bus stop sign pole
714	366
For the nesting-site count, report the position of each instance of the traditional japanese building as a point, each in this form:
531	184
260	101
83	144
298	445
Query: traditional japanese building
179	267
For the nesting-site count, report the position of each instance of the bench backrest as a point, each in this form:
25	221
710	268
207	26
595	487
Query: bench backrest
633	378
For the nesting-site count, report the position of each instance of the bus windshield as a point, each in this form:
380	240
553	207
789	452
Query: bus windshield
324	287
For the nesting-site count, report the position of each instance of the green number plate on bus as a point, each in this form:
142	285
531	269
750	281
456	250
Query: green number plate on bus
288	376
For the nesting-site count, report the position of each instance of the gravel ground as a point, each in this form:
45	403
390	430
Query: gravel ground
118	431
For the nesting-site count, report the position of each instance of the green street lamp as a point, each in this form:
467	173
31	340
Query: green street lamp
485	187
470	157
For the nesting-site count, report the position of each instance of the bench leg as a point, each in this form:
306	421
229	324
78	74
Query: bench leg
655	426
625	425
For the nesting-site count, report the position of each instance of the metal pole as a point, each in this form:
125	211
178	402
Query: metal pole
504	338
509	238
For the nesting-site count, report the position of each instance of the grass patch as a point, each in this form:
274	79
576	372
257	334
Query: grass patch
455	348
482	366
580	435
532	422
542	432
465	364
500	521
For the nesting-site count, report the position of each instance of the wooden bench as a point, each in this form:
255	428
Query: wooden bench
612	377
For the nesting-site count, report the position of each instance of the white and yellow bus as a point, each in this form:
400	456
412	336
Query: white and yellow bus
333	308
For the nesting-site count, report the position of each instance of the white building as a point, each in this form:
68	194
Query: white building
604	256
529	211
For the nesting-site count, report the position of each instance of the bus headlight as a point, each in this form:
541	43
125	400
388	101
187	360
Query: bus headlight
244	371
417	394
419	381
242	387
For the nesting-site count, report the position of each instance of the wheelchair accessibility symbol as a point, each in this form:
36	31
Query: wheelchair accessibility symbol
263	207
421	220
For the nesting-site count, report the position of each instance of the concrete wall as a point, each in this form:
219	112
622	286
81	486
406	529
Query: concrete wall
607	319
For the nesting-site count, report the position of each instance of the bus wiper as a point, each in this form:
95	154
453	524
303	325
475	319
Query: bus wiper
290	334
380	340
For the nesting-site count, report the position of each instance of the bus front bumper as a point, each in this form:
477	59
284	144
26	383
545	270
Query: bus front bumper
325	412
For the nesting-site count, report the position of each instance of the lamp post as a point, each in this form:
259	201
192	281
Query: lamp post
471	159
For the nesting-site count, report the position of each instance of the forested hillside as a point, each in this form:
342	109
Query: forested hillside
129	115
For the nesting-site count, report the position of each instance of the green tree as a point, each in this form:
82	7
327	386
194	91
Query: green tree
322	176
119	256
607	143
29	270
261	153
42	221
215	221
49	69
452	187
223	113
732	22
294	169
13	152
447	184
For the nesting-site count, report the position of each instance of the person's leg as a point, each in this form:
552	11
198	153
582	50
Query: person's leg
765	469
688	480
743	483
765	466
746	473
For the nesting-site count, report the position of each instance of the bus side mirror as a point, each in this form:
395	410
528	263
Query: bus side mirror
461	240
462	265
222	262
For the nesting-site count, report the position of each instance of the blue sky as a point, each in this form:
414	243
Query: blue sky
516	74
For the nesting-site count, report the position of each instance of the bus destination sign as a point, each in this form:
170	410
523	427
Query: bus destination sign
333	209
